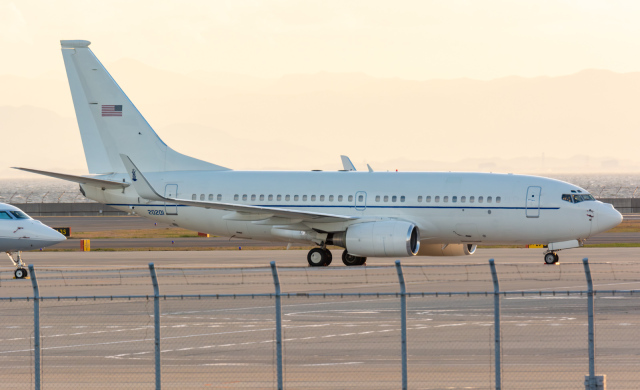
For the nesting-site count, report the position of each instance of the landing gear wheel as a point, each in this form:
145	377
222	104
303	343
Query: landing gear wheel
329	256
557	257
351	260
317	257
20	273
550	258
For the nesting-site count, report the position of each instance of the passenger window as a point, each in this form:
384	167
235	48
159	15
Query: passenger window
321	198
194	197
339	198
419	199
445	199
244	197
497	199
313	198
480	199
330	198
377	198
386	198
4	215
454	199
270	198
428	199
437	199
360	198
463	199
261	197
219	197
566	198
304	198
402	198
471	199
287	197
350	198
295	198
488	199
236	197
253	197
279	198
210	196
576	198
201	196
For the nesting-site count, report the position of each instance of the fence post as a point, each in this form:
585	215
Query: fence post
403	323
36	326
156	324
276	282
496	321
592	382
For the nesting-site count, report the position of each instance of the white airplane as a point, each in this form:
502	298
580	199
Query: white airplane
382	214
19	232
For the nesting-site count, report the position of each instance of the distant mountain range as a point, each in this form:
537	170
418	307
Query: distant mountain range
584	122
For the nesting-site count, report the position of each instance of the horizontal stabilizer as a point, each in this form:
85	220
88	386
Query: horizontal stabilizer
145	190
78	179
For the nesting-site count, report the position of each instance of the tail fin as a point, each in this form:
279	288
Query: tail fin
111	125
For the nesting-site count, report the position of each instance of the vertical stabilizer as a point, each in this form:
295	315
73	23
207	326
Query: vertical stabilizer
111	125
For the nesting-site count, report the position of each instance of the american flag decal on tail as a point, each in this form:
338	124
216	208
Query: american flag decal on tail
111	110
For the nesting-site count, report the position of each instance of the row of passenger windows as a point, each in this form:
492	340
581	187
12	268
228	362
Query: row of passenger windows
340	198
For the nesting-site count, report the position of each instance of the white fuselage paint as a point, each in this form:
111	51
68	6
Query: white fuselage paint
24	233
547	218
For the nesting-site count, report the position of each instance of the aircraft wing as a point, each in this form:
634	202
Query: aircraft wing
246	212
78	179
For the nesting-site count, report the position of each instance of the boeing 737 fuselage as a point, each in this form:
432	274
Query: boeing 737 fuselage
381	214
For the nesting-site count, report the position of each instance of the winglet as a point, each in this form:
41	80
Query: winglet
140	183
369	168
347	164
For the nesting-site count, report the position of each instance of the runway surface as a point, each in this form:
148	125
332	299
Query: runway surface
329	342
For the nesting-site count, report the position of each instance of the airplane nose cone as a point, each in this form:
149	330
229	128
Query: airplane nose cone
45	236
608	218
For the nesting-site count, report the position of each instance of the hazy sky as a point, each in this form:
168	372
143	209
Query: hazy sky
407	39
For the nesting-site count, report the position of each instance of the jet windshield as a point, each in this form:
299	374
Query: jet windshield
13	214
577	198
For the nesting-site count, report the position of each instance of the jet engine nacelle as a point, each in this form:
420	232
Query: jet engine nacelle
449	250
383	239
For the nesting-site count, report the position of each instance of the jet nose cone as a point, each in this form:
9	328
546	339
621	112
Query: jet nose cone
45	236
608	218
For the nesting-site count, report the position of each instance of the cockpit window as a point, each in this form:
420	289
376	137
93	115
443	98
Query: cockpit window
566	198
577	198
19	215
588	197
4	215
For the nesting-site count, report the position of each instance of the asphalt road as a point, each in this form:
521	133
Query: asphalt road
331	342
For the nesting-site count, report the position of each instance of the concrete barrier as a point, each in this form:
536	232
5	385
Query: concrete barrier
68	209
624	205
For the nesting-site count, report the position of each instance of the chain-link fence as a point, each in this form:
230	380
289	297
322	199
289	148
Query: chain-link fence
432	326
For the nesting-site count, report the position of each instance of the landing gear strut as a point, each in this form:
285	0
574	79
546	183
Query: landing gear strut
21	271
350	260
319	257
551	258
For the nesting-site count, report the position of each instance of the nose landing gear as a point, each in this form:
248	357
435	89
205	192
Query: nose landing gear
551	257
20	272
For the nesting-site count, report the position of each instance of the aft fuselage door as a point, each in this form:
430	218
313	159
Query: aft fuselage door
532	204
171	191
361	200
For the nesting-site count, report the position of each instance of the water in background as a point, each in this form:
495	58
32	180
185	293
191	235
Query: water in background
59	191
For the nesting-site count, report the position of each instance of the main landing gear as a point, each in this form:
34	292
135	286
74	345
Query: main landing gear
322	257
551	257
319	257
350	260
20	272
